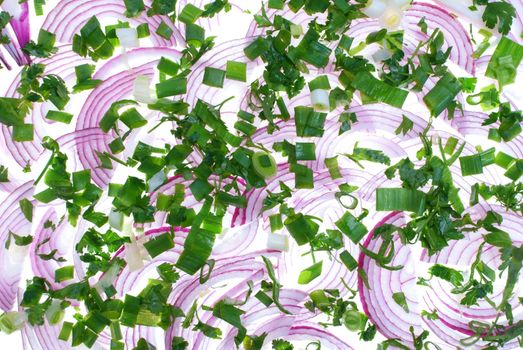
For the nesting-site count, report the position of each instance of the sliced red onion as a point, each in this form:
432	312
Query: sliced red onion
12	219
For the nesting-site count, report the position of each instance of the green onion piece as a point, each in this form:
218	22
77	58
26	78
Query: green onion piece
171	87
228	199
309	122
320	83
12	321
196	250
450	146
378	90
117	345
257	48
246	128
23	132
116	331
189	14
302	228
515	171
39	7
351	227
133	7
347	259
503	160
143	30
130	310
66	330
488	157
96	321
296	30
309	274
83	78
246	116
493	134
194	34
213	77
303	176
276	4
311	50
471	165
164	31
333	167
59	116
133	119
305	151
264	164
296	5
345	42
168	67
200	189
442	94
276	222
400	199
159	244
64	273
236	71
11	114
504	62
116	146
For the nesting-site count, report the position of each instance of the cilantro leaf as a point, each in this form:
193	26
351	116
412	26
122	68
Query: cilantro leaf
281	344
500	13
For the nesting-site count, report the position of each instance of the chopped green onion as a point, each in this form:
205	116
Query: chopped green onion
311	50
333	167
196	250
351	227
309	274
264	164
143	30
171	87
189	14
302	228
504	62
133	7
503	160
23	132
59	116
320	83
305	151
450	146
347	259
164	31
471	165
213	77
200	189
236	71
276	4
257	48
66	330
378	90
515	171
400	199
308	121
276	222
442	94
159	244
64	273
168	67
303	176
194	34
133	119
